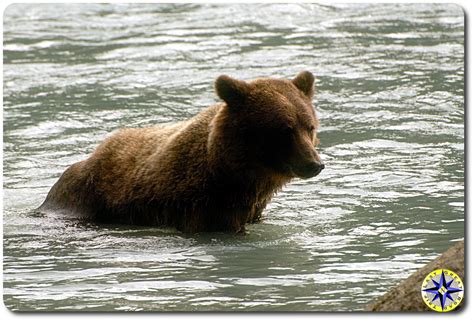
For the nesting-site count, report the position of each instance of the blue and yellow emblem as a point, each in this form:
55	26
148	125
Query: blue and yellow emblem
442	290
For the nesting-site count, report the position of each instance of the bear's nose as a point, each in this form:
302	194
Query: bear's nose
313	169
318	167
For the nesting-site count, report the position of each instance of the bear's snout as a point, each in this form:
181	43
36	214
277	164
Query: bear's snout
312	169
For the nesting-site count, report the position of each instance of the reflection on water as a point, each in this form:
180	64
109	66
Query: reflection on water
390	99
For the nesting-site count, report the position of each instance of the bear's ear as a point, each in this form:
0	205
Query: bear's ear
304	81
231	90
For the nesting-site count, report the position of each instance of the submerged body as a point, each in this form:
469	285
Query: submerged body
214	172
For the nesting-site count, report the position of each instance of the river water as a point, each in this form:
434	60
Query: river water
390	97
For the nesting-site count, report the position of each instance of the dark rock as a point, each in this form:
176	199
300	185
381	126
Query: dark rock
406	295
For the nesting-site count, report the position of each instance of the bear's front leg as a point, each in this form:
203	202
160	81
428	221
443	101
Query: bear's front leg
256	213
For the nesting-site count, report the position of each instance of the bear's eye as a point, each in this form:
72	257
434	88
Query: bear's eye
289	130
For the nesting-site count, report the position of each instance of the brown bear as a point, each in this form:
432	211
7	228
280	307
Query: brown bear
214	172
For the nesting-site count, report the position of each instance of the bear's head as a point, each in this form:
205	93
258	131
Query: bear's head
271	123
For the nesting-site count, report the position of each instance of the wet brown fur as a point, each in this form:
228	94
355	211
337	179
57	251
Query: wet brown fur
213	172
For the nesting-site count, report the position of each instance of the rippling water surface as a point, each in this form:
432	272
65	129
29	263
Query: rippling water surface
390	100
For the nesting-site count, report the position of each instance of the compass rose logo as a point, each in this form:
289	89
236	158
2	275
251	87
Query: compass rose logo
442	290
